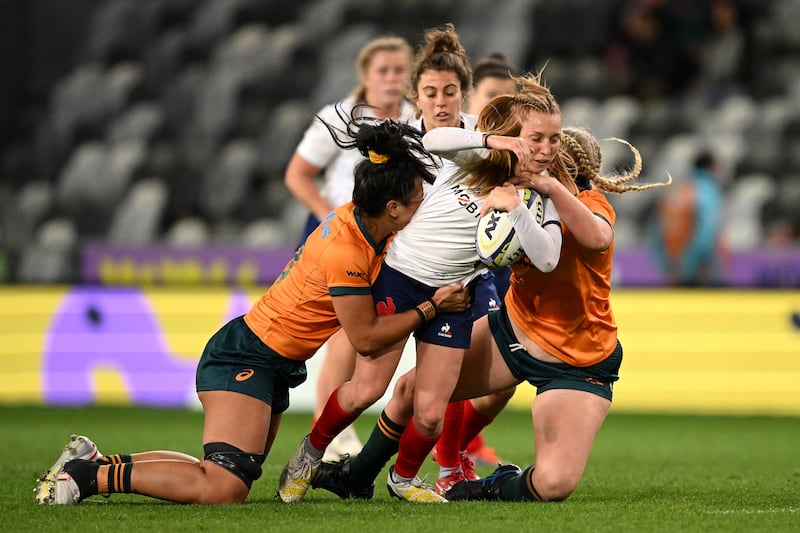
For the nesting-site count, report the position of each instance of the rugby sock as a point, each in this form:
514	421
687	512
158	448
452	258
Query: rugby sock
472	425
311	450
380	447
114	478
330	423
449	446
520	487
475	444
119	477
414	448
115	459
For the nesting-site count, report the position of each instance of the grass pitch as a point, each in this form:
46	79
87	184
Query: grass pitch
646	473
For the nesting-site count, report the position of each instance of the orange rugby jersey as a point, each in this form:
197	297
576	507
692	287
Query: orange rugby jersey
567	311
295	315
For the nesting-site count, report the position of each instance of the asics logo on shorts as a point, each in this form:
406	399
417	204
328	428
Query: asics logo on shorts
245	374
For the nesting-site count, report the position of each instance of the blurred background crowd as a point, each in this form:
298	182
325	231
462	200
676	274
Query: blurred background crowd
170	122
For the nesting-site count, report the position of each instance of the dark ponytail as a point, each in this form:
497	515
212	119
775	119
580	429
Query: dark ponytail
394	159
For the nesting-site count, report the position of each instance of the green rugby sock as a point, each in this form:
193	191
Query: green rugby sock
381	446
520	487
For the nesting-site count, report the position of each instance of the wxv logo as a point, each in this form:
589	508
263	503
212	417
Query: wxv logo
494	218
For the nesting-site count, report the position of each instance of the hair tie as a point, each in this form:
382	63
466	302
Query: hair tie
377	158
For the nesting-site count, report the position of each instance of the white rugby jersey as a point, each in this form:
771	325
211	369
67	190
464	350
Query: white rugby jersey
468	122
318	148
438	246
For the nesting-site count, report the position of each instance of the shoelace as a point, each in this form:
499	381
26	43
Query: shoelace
421	483
304	470
467	466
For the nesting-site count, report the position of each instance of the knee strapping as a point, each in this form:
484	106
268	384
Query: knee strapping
245	466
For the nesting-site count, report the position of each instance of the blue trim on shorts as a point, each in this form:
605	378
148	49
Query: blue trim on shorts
597	379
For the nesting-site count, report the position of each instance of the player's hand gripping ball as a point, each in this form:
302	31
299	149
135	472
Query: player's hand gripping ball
495	239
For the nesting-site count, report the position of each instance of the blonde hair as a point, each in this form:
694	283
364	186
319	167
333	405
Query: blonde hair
504	115
441	50
579	157
387	43
584	160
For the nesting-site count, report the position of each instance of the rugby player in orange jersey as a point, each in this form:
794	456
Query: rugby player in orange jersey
555	330
382	67
249	365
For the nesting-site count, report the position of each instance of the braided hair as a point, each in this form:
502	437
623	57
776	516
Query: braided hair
583	159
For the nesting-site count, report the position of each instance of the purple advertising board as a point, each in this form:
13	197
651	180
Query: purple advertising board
766	268
162	265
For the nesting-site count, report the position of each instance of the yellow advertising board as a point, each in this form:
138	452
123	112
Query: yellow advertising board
709	351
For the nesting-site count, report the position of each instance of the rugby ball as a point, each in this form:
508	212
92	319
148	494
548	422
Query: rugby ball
495	239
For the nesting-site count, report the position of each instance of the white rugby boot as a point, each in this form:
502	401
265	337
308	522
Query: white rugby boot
413	490
78	447
296	476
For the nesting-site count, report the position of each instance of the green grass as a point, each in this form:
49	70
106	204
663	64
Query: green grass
646	473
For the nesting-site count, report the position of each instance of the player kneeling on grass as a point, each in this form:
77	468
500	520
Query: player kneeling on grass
438	247
248	366
556	330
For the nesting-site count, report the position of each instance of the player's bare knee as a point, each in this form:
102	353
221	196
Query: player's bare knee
366	394
223	493
428	421
557	495
555	486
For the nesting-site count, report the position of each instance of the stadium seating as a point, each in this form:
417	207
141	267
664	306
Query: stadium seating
176	121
